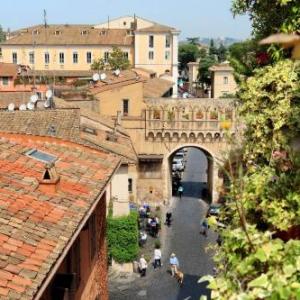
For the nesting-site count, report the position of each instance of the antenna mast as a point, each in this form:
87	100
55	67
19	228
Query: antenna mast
45	18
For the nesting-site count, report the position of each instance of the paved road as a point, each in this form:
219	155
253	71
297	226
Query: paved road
182	238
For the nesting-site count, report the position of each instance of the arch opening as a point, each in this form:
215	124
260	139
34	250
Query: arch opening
191	168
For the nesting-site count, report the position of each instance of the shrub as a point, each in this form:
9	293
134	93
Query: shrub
122	235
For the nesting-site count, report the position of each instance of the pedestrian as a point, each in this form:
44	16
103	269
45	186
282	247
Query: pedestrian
180	191
157	257
174	264
153	227
204	227
143	266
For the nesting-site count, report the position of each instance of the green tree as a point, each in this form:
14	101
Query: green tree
187	53
269	16
116	60
204	74
222	53
2	35
193	40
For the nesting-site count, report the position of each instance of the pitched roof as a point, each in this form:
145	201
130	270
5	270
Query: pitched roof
69	124
70	35
8	70
36	227
157	28
224	66
17	98
156	87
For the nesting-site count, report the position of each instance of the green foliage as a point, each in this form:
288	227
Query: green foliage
264	194
204	76
2	35
116	60
187	53
122	235
193	40
269	16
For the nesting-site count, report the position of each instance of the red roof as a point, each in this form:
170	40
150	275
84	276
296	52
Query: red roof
8	70
35	227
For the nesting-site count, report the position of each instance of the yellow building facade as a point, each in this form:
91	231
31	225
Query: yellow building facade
148	45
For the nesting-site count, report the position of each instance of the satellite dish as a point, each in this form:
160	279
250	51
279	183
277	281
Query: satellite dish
102	76
22	107
30	105
11	107
96	77
49	94
34	98
117	72
47	103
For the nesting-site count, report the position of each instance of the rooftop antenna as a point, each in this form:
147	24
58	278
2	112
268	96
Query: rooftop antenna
45	18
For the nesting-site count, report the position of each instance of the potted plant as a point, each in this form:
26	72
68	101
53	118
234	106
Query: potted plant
171	115
199	114
156	114
214	115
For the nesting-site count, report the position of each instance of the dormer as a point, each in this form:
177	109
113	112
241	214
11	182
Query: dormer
103	32
84	32
57	32
35	32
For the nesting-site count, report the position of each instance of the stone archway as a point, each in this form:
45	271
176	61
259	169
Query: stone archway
213	181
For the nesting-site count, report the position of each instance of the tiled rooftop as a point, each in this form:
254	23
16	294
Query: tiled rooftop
35	227
9	70
70	35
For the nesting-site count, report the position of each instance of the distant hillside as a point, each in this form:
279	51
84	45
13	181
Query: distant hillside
227	41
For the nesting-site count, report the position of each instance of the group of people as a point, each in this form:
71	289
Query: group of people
174	263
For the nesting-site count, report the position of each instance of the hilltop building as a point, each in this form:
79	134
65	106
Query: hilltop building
147	45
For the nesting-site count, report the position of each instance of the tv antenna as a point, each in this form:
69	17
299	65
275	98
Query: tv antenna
45	18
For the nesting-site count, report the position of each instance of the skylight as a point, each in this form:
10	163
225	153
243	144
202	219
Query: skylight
41	156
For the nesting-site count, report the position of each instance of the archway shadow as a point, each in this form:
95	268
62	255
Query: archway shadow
192	290
194	189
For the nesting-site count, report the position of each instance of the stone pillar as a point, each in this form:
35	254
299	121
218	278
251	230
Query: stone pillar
175	63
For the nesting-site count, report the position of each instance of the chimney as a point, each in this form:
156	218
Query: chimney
50	179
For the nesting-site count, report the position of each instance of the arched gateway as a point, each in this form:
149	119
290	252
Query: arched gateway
168	125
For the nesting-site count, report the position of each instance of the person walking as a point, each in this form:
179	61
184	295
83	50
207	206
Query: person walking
174	263
180	191
204	227
157	257
143	266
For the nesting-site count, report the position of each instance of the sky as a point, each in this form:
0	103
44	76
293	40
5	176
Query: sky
195	18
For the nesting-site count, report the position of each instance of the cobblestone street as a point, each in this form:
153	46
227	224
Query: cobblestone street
184	240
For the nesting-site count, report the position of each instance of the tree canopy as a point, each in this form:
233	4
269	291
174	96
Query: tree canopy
186	53
2	35
116	60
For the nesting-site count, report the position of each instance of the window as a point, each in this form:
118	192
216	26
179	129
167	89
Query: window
151	55
0	52
31	57
4	80
47	58
106	56
41	156
125	107
130	185
89	57
167	55
84	32
151	41
93	236
75	58
168	41
225	80
61	58
14	58
126	55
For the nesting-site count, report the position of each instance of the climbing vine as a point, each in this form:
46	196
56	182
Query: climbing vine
260	254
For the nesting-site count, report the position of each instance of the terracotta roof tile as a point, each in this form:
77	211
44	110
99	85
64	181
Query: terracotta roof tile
35	227
70	35
157	28
8	70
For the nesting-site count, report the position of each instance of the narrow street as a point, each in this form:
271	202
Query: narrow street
184	240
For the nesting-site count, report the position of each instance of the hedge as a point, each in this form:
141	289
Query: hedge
122	235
